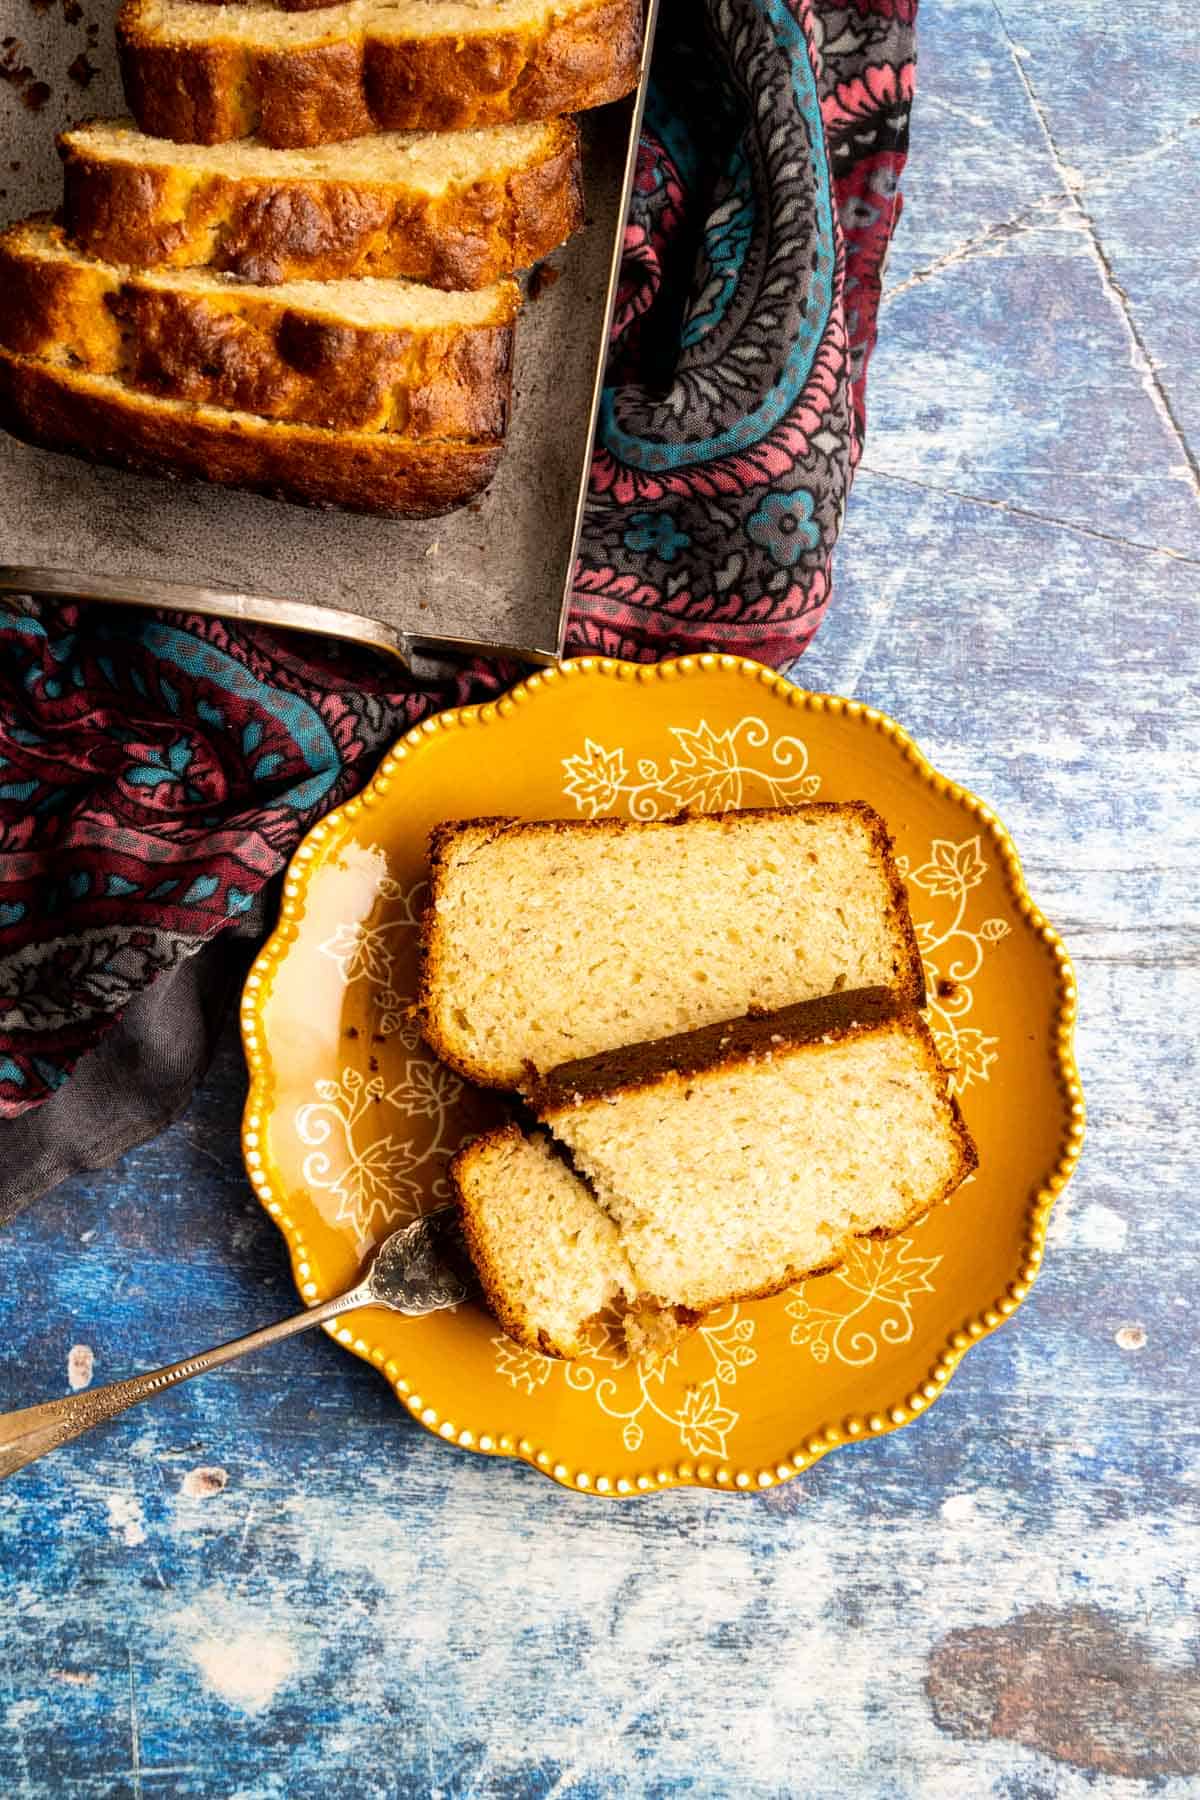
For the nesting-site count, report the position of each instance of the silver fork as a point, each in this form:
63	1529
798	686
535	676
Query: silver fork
422	1268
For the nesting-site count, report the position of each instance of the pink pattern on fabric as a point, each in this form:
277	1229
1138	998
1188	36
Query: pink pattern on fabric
880	87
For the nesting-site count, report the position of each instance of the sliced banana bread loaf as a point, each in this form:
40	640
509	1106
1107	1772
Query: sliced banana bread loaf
103	418
453	209
556	940
350	355
731	1162
203	74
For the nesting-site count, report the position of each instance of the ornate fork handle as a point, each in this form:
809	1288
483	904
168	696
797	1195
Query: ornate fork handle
34	1430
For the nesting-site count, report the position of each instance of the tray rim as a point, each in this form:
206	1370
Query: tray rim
416	646
719	1476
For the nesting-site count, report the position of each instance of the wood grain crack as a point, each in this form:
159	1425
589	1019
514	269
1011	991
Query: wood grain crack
1143	362
1051	209
1027	512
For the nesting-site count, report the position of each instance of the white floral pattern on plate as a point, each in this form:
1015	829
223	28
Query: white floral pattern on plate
363	1151
697	1408
865	1303
950	873
709	773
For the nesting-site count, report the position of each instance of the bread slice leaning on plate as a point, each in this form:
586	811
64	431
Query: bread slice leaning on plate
721	1165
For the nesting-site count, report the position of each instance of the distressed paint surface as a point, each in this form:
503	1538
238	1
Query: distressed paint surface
272	1583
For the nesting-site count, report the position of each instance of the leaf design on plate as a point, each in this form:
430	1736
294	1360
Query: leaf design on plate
656	1369
887	1272
968	1055
426	1089
926	934
595	778
605	1341
360	950
709	773
386	1166
522	1369
992	930
952	868
704	1423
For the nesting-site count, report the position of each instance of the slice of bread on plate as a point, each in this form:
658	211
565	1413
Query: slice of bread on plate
730	1162
550	941
103	418
548	1256
366	355
452	209
203	73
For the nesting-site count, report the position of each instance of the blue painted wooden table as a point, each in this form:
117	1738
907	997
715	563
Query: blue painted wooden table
272	1583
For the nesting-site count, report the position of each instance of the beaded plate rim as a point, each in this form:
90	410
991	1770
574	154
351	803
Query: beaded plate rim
690	1472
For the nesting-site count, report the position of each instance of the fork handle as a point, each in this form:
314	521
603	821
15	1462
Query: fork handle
34	1431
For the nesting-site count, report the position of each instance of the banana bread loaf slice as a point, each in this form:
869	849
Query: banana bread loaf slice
548	1257
730	1163
549	941
349	355
202	73
103	419
738	1159
454	209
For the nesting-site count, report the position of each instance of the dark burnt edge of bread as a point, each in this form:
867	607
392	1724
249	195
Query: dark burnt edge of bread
722	1046
835	1017
832	1018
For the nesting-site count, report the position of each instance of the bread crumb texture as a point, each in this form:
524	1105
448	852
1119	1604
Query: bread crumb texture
548	942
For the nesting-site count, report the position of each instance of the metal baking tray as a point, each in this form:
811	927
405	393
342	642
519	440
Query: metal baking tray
495	576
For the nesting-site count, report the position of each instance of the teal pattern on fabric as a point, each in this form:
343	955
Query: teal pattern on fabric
782	397
727	240
302	722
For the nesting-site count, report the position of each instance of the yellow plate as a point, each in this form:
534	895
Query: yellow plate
350	1121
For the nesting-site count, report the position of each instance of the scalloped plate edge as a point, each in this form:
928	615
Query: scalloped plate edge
692	1472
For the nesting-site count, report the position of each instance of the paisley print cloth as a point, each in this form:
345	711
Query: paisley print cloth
155	774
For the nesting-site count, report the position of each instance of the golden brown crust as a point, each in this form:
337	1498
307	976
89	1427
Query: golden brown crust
441	838
151	214
908	989
910	969
379	472
242	349
207	89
